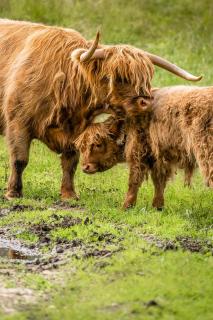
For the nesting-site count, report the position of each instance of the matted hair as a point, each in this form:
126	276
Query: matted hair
123	62
96	131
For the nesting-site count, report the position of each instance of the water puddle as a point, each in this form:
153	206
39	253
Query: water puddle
10	249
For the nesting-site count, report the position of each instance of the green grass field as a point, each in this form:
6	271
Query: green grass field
95	260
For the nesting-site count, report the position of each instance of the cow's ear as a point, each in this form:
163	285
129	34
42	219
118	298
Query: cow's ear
102	117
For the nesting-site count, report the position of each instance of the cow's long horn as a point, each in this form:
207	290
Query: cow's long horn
160	62
89	53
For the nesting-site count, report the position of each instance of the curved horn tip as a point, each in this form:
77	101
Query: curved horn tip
198	78
98	34
171	67
89	53
97	38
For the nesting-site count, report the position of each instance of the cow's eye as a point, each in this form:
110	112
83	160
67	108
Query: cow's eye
95	146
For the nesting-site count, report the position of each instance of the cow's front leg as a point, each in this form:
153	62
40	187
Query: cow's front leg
19	140
136	177
69	162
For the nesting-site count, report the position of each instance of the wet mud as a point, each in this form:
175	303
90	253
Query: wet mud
15	208
50	253
14	250
184	243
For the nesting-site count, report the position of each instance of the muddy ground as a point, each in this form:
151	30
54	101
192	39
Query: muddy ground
42	241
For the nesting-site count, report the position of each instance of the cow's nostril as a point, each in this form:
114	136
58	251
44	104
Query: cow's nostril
86	167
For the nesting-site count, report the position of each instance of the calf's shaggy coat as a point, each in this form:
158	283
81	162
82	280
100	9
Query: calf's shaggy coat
175	132
50	81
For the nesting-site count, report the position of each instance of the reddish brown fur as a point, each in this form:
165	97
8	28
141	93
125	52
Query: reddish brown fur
47	96
178	133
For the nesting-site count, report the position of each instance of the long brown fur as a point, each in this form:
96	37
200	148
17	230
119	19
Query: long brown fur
178	133
46	95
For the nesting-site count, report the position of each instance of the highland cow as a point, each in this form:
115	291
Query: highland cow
51	81
175	131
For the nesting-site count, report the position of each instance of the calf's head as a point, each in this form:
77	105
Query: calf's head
101	145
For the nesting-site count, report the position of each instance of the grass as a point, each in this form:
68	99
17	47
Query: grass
140	279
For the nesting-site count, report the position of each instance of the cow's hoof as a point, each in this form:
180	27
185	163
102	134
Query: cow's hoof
69	196
158	204
187	184
159	209
128	205
10	195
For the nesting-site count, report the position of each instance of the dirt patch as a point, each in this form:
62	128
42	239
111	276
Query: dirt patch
151	303
43	229
54	252
58	256
186	243
163	244
15	208
98	253
76	249
58	205
13	298
62	205
195	245
108	237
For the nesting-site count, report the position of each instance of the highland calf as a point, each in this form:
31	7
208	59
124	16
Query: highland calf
52	79
176	131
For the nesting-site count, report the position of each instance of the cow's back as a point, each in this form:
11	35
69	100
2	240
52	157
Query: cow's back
31	55
13	35
178	112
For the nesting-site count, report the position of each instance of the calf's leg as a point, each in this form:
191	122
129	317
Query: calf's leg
203	149
135	153
160	176
69	162
136	177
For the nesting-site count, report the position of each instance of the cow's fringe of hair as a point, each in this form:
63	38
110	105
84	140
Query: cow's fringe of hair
122	63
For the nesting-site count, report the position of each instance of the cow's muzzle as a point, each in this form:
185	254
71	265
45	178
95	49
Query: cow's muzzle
89	168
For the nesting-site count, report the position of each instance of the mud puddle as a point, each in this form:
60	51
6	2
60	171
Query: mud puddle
49	252
11	249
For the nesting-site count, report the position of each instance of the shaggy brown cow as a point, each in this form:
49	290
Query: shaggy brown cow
51	80
177	132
